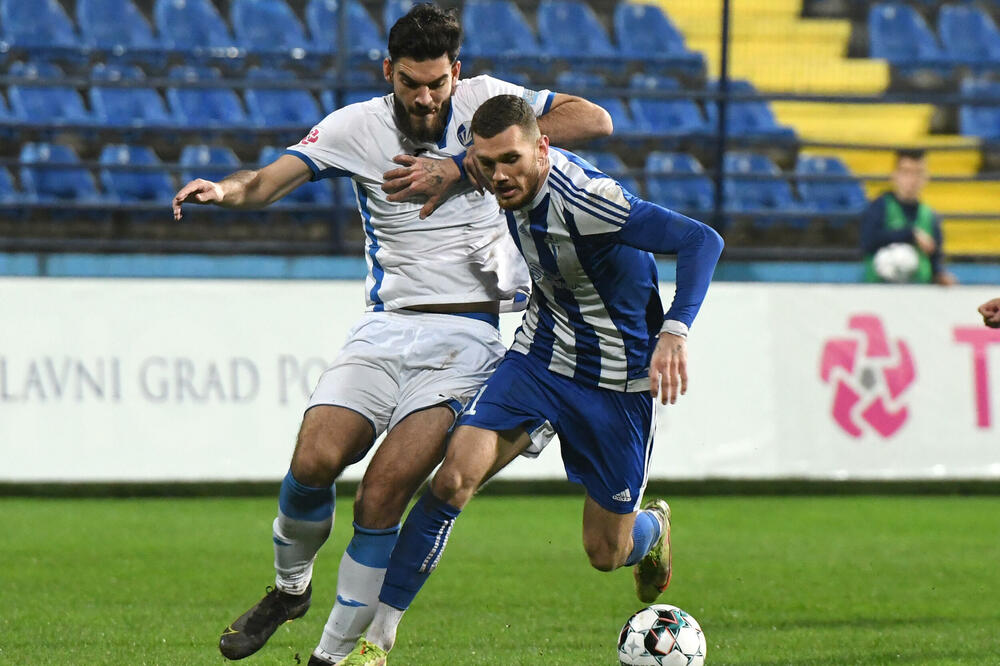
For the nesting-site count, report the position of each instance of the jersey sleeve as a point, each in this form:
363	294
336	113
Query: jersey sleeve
336	146
657	229
598	205
484	87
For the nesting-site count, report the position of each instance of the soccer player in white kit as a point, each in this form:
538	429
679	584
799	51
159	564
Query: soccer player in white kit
440	263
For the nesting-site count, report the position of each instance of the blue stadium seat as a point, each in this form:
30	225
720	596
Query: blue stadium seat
828	196
127	185
55	183
969	34
114	25
609	163
8	193
665	117
976	120
322	18
900	35
317	192
267	27
38	25
191	25
644	32
328	98
588	85
209	162
47	104
677	181
747	191
570	29
134	106
280	107
497	28
204	107
747	118
395	10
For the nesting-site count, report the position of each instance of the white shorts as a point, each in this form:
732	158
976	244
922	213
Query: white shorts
399	362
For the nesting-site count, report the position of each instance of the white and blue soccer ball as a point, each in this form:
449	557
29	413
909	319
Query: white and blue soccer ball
661	635
897	262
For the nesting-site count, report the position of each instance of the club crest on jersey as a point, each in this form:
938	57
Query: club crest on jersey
312	137
464	135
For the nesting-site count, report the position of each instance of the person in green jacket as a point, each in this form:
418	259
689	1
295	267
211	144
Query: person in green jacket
898	216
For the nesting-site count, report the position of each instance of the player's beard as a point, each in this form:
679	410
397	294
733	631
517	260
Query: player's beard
422	133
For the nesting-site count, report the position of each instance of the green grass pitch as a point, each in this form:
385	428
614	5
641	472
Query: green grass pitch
778	580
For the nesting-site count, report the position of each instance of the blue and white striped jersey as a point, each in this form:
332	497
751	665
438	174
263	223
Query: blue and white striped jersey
595	310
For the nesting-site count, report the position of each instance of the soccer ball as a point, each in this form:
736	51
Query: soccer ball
661	635
896	262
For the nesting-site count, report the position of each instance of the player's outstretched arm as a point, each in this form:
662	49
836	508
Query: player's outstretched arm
572	120
245	189
990	310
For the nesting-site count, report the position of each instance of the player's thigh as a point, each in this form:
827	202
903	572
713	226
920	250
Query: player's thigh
407	455
607	535
474	455
330	439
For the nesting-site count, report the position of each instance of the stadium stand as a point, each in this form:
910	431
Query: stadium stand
49	174
969	35
279	107
124	184
824	195
192	25
40	25
121	107
899	34
51	105
366	42
612	165
570	29
268	27
497	28
678	181
981	121
746	191
115	25
204	107
664	117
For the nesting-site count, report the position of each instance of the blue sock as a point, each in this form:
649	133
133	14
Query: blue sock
301	502
372	547
418	550
645	532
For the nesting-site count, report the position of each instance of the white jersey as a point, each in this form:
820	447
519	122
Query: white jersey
461	253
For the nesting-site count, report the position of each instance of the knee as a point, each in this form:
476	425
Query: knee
603	555
314	462
453	486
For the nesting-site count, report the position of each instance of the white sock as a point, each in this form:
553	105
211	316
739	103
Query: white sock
382	632
296	543
357	593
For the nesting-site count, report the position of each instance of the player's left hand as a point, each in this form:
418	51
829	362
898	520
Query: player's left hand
420	178
668	368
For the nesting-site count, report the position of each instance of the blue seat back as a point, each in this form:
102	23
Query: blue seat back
743	117
266	25
569	28
977	120
191	24
204	106
665	116
133	185
899	34
209	162
395	10
588	84
844	196
641	30
106	24
609	163
677	181
744	191
54	104
37	24
279	106
323	21
8	193
968	33
134	106
497	28
55	183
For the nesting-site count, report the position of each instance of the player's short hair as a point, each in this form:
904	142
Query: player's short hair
915	154
426	32
498	113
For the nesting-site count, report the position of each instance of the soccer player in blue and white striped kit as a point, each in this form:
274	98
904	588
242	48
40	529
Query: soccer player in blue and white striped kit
592	353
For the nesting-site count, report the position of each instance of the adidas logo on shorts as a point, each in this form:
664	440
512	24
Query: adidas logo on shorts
623	496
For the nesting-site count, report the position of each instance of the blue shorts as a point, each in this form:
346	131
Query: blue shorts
606	436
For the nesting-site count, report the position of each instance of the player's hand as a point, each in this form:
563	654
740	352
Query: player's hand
668	368
420	178
199	191
924	241
474	172
991	312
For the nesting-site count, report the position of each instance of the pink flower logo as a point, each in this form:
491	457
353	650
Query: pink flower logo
869	374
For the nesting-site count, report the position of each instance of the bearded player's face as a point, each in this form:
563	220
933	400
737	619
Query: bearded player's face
422	95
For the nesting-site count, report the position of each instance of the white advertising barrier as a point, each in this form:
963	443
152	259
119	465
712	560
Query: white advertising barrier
143	380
